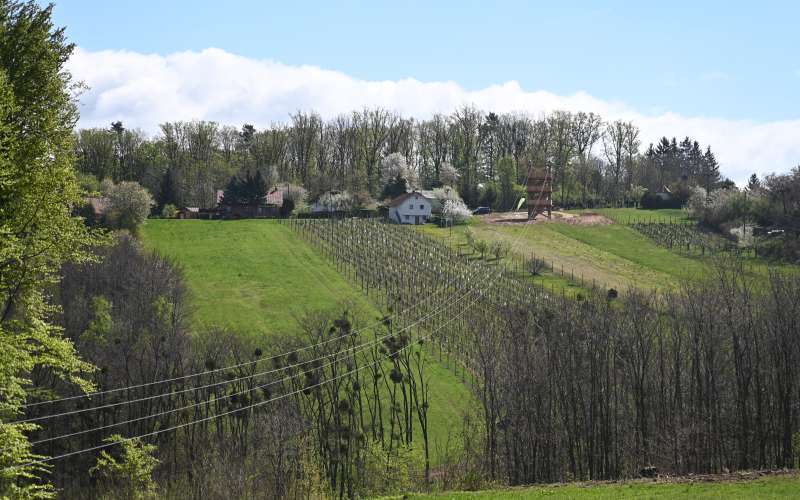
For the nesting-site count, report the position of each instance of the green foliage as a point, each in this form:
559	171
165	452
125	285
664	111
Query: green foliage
488	196
129	205
387	471
481	246
778	486
396	186
129	476
507	196
247	189
169	211
37	192
101	324
796	448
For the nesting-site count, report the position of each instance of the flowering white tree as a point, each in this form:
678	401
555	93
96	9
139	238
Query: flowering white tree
395	165
448	175
457	211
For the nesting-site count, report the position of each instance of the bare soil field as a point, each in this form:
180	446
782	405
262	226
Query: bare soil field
584	219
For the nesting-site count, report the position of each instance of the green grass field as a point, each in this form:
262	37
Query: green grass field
607	255
257	278
251	276
783	486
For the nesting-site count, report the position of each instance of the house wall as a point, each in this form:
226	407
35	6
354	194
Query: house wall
411	207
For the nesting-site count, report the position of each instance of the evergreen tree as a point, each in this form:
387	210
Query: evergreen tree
395	187
754	183
709	170
245	190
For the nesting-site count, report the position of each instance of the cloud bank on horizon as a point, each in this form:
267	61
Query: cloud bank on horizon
144	90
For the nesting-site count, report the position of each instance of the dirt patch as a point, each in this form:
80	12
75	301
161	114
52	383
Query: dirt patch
587	220
507	218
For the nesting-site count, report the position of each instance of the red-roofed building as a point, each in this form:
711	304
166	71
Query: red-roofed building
410	208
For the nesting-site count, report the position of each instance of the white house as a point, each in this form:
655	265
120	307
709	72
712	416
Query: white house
410	208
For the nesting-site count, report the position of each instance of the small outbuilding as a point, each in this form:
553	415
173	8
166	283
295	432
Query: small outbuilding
410	208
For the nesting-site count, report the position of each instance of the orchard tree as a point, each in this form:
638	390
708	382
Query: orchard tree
38	193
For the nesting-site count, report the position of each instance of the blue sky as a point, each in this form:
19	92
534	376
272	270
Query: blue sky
738	60
726	74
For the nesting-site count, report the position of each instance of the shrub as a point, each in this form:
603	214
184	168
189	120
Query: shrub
169	211
129	205
129	476
457	211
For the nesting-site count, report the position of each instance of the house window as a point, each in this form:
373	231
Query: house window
408	217
422	207
411	206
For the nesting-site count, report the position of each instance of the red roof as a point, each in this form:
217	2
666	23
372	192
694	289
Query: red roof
275	198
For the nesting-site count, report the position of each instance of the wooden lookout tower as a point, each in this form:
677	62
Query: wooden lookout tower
540	192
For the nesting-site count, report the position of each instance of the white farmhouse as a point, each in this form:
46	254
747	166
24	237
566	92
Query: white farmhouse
410	208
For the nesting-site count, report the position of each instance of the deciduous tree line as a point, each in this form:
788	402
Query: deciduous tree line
593	162
339	417
698	380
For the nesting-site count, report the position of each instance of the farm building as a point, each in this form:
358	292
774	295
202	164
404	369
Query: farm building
664	194
410	208
189	213
269	206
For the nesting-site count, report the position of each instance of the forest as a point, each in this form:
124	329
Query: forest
593	162
110	387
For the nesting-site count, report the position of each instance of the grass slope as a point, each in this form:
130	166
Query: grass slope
784	486
251	276
614	255
257	278
611	255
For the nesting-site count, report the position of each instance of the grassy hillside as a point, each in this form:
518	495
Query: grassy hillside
783	486
609	255
251	276
256	277
612	255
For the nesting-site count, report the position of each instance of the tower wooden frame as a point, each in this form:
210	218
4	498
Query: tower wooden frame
540	192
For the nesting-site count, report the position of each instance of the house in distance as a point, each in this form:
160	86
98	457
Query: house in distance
410	208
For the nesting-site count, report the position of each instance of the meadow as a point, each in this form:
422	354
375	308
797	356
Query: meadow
780	486
257	278
580	256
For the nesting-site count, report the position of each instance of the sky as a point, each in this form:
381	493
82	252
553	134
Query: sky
725	73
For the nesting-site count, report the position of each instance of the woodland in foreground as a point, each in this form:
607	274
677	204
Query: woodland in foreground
702	379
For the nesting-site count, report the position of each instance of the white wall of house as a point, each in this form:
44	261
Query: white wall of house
416	209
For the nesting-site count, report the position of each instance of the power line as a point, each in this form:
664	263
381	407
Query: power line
230	412
354	350
231	367
240	365
250	390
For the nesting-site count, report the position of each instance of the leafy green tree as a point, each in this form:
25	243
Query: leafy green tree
129	476
169	211
507	170
129	205
38	232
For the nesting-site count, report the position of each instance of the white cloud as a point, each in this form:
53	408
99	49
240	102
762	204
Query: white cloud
144	90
